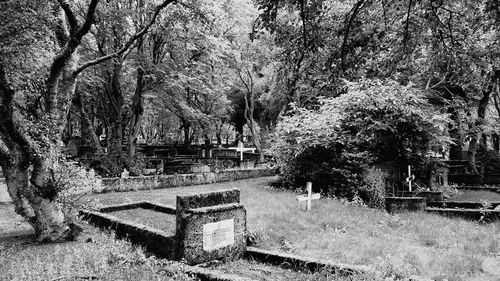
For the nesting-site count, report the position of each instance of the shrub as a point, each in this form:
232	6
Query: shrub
73	182
372	123
113	167
373	190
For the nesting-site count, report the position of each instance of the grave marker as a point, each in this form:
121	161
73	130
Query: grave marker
410	177
210	226
218	234
241	149
310	196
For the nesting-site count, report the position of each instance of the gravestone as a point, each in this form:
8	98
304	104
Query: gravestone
210	226
310	196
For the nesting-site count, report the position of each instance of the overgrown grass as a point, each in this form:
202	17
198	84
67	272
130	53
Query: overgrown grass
399	246
95	256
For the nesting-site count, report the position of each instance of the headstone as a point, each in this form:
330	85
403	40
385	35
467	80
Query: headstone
125	174
410	178
310	196
210	226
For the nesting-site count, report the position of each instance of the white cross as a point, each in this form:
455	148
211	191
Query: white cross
410	177
310	196
241	149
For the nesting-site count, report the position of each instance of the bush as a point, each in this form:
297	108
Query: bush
113	167
372	123
374	189
488	160
73	182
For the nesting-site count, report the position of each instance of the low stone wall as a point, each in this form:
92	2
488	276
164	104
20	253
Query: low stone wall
165	181
468	214
403	204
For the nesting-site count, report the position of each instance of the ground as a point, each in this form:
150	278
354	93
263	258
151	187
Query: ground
399	246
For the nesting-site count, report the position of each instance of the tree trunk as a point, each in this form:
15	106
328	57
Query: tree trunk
115	96
249	110
477	132
89	135
35	198
495	139
186	127
137	112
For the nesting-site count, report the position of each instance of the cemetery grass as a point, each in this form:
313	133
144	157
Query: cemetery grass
396	246
96	255
401	245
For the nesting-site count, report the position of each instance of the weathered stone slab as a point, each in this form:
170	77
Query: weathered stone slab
468	214
219	197
401	204
210	226
302	263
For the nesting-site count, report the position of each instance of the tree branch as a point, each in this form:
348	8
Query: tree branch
73	22
89	18
355	11
127	44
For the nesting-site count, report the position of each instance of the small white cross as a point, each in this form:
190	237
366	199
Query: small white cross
410	177
310	196
241	149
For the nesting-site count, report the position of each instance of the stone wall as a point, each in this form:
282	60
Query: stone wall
165	181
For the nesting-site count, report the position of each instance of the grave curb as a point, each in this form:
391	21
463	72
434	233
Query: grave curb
303	263
207	274
468	214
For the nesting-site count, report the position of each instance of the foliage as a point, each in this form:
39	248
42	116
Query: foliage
73	182
374	189
109	166
488	160
375	122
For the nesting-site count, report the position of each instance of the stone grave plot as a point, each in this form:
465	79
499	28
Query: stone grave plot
204	228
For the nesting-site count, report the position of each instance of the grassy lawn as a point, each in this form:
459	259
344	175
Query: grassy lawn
401	245
398	246
94	256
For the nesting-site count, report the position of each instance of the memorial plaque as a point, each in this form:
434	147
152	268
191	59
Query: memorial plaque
218	234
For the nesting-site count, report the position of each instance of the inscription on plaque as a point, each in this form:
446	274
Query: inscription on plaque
218	234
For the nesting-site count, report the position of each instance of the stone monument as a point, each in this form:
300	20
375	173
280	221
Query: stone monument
210	226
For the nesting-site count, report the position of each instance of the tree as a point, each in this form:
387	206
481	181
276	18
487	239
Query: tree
32	118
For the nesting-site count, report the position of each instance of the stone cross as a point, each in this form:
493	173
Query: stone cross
410	177
310	196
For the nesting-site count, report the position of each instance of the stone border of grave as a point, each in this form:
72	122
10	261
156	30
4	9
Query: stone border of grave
166	181
296	262
400	204
486	215
162	244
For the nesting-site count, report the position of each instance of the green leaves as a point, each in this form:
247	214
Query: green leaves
375	121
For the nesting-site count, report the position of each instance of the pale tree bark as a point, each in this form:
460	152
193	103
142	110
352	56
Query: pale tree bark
36	140
249	112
